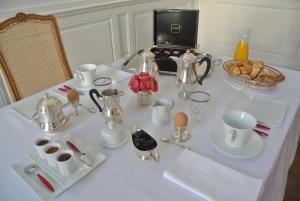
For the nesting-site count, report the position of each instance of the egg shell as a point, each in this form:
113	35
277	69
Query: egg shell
181	119
73	95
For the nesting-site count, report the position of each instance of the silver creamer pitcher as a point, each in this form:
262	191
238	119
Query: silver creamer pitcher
111	109
187	75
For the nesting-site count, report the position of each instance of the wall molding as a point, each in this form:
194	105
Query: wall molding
65	9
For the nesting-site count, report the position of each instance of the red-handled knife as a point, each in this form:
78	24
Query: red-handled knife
262	126
63	90
46	183
67	87
73	147
261	133
83	156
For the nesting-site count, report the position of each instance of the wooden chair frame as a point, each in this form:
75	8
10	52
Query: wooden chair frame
19	18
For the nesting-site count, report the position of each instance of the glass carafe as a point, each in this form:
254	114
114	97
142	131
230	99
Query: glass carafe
242	47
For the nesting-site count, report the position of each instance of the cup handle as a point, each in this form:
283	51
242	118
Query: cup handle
233	135
171	105
80	75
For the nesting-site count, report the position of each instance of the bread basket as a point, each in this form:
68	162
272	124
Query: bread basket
253	83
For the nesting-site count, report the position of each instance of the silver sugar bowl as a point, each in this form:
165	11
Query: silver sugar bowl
49	114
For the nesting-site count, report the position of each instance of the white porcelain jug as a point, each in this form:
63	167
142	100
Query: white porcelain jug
161	111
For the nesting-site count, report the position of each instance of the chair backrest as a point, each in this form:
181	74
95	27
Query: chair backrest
32	56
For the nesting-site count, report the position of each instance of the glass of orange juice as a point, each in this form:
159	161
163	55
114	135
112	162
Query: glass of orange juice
242	47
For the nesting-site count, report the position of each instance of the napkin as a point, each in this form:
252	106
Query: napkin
115	74
211	180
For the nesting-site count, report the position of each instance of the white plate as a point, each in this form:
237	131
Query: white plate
115	74
268	111
35	184
27	107
67	181
252	147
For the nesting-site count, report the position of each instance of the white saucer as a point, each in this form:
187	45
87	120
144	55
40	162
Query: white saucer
252	147
77	85
114	145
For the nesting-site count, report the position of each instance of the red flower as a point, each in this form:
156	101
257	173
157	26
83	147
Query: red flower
143	82
144	76
153	84
145	85
134	84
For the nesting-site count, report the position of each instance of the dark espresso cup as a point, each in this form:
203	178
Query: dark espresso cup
50	153
66	162
39	145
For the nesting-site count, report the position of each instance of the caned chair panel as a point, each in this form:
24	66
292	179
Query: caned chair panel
32	56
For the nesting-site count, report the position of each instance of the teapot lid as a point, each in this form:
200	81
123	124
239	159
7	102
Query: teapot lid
188	57
48	101
147	54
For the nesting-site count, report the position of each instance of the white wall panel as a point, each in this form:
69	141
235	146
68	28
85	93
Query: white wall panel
123	20
89	43
143	23
274	24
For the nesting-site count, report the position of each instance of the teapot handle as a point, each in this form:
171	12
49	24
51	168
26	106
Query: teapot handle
208	66
91	93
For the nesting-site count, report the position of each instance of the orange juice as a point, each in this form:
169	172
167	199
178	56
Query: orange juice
242	47
241	51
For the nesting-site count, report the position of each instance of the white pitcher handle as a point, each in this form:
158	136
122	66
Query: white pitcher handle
171	105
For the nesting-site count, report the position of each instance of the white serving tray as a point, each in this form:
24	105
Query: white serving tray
83	169
59	181
35	184
27	107
269	111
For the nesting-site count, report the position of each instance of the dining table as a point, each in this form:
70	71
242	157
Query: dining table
124	176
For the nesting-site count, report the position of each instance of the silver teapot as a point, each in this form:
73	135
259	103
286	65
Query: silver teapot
147	63
49	114
188	67
111	110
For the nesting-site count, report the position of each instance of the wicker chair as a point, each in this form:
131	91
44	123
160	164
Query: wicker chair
32	56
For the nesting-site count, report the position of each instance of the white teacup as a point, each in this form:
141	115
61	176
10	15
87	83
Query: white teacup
238	127
66	162
161	111
86	73
50	153
40	144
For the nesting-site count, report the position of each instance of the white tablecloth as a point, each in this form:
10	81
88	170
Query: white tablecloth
124	177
